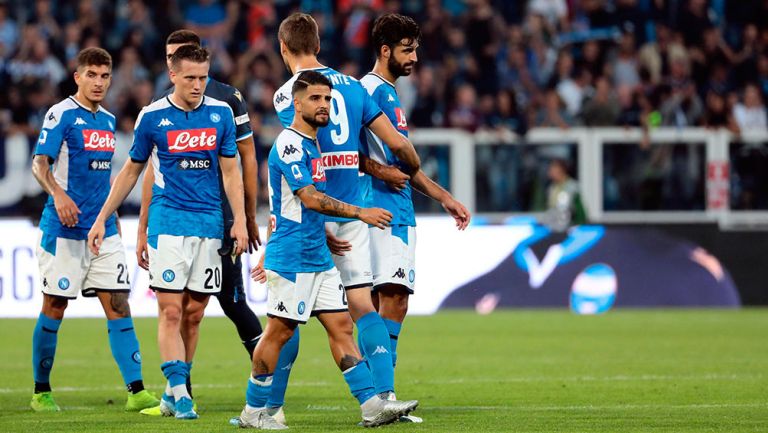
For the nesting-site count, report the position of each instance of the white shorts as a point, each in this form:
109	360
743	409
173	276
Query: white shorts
185	262
301	295
393	256
67	267
355	265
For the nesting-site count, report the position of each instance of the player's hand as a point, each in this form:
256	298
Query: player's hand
142	253
66	209
337	246
258	274
96	236
394	178
240	234
458	211
375	216
254	239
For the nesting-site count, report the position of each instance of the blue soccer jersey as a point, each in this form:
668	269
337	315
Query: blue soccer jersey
224	92
376	191
81	144
352	109
297	243
184	147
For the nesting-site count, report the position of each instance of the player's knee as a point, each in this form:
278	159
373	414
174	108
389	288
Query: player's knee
54	307
394	300
279	335
118	302
192	318
171	314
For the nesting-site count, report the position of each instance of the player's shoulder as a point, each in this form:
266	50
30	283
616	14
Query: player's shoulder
216	103
283	97
224	92
373	82
156	108
59	111
103	110
289	145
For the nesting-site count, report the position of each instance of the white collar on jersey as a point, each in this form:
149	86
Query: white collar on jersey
382	78
170	100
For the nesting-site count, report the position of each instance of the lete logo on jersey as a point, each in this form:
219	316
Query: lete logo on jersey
191	140
318	170
98	140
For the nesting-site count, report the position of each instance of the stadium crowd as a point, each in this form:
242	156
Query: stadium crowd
484	64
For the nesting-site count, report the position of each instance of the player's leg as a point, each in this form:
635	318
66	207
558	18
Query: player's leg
331	311
61	270
109	270
44	340
355	270
234	303
393	251
283	290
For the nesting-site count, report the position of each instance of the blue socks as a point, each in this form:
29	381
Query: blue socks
359	380
176	372
282	372
43	351
259	389
394	332
125	349
374	341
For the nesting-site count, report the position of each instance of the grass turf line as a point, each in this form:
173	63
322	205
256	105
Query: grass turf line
520	370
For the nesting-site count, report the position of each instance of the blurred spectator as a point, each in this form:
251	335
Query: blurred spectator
564	206
464	113
694	20
624	65
750	114
574	90
552	113
717	114
9	33
603	109
34	61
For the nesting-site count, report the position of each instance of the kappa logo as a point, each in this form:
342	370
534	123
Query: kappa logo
400	273
80	121
281	307
289	150
380	350
45	282
280	98
164	122
287	367
390	99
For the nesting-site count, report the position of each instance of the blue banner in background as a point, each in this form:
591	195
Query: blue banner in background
594	268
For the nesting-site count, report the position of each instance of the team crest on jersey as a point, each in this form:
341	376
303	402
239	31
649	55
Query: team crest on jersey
191	140
64	283
168	275
318	170
215	117
98	141
302	307
401	122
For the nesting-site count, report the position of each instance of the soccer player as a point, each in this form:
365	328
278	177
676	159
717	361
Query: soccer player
232	297
395	40
301	278
188	136
352	109
72	163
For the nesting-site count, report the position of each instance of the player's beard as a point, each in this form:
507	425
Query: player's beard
399	69
311	120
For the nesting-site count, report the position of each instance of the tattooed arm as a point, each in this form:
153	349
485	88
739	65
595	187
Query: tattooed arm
320	202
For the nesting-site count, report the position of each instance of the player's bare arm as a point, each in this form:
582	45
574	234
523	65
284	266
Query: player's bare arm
399	144
233	187
320	202
247	150
142	253
396	179
65	206
121	187
258	274
422	183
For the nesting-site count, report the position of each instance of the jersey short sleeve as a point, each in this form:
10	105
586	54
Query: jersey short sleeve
52	134
228	146
240	111
142	145
293	163
371	109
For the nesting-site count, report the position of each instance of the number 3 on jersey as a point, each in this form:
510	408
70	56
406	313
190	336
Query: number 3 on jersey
338	114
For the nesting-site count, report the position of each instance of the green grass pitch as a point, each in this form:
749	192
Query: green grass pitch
511	371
